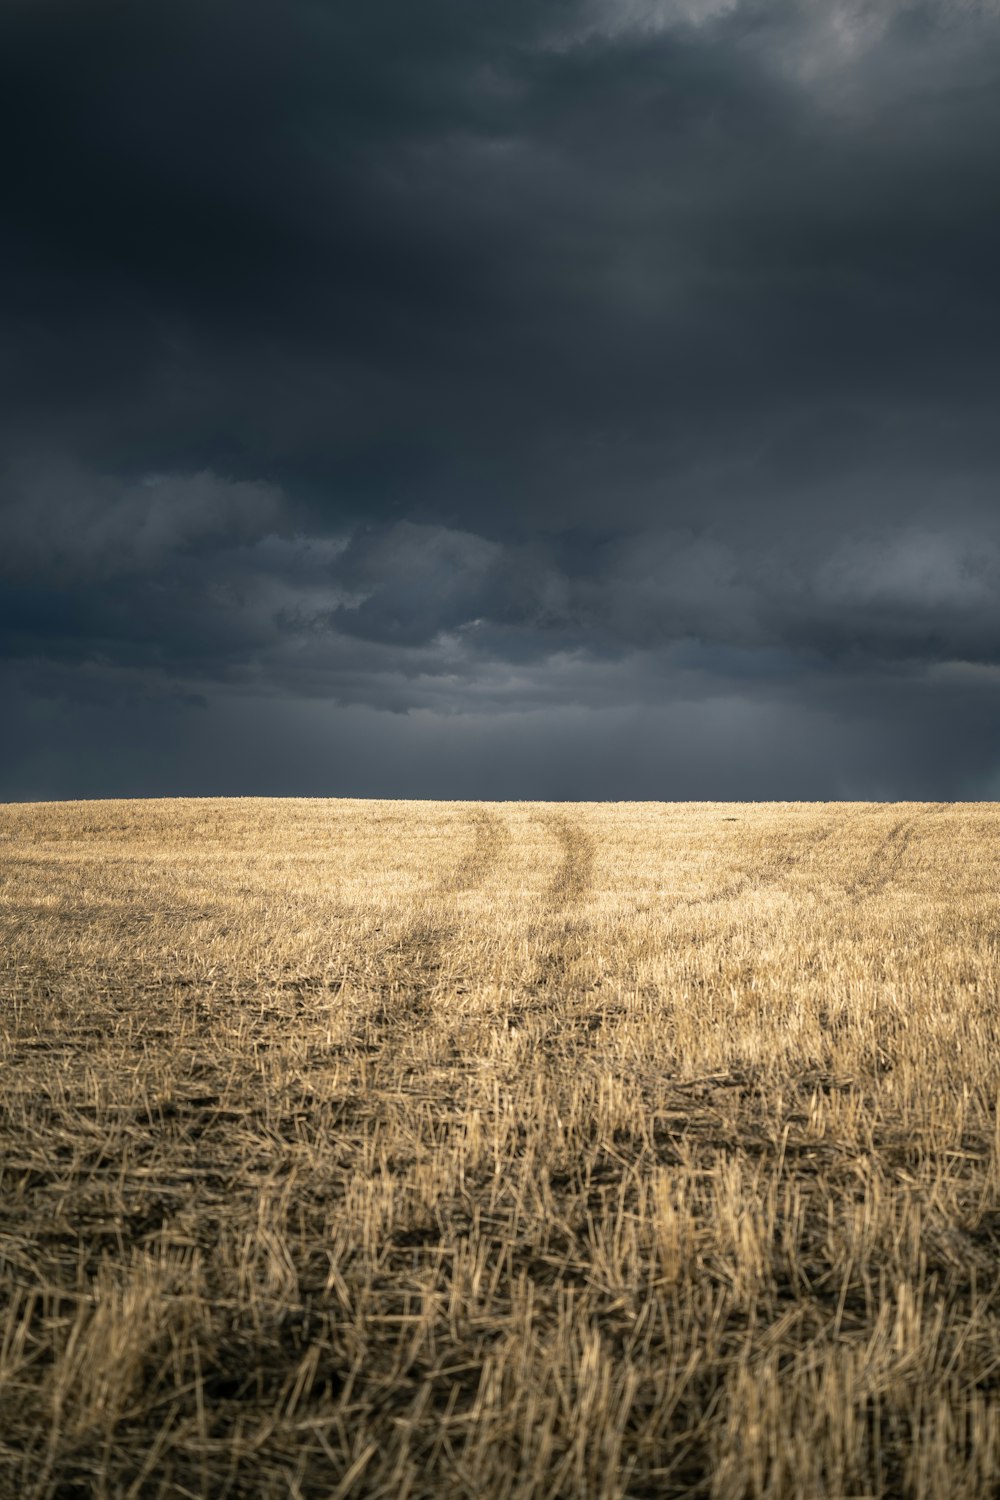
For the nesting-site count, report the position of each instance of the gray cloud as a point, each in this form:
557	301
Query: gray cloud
62	524
574	364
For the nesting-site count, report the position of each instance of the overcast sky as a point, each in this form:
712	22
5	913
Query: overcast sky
556	398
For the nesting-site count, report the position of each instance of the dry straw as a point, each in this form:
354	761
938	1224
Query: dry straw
387	1149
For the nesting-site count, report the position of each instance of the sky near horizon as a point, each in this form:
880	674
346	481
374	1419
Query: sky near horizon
555	398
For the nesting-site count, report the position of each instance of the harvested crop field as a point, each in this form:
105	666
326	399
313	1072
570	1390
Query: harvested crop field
502	1150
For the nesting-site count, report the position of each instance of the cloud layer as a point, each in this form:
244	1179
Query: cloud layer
482	393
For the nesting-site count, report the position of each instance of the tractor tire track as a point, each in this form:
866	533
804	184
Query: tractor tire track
550	976
575	874
491	839
886	859
405	974
763	875
407	971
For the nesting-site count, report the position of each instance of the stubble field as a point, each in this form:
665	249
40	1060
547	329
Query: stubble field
517	1150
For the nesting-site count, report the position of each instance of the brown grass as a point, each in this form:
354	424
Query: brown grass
388	1149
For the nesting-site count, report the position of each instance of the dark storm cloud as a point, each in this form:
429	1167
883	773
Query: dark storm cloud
494	365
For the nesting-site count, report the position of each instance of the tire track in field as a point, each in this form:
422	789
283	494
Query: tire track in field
886	859
766	874
562	943
407	971
491	839
574	877
575	874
